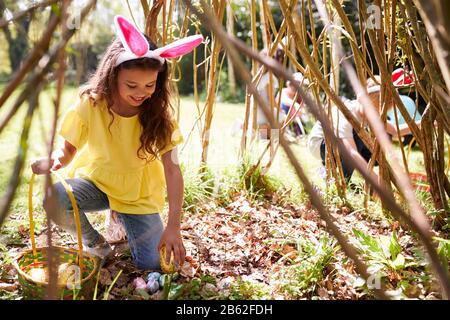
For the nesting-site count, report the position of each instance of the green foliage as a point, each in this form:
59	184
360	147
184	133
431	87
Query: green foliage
202	185
204	288
388	260
4	256
404	275
225	94
5	295
382	252
443	250
194	289
308	268
4	77
257	184
248	290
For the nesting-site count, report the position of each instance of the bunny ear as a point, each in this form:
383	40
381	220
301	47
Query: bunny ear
179	47
132	39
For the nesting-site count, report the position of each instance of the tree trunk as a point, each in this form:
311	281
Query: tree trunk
435	16
230	30
18	45
335	63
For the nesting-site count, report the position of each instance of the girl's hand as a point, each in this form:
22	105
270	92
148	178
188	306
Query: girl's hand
171	239
43	165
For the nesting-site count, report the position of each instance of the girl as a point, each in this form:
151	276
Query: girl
122	141
268	87
293	109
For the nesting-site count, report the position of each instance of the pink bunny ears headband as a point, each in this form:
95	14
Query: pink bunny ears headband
136	46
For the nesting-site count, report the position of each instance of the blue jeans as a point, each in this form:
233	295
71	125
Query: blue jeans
348	168
143	230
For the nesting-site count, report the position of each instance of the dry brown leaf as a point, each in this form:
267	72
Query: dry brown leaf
289	251
188	270
24	231
105	277
323	293
10	287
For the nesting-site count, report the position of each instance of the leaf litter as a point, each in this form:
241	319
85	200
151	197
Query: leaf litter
253	250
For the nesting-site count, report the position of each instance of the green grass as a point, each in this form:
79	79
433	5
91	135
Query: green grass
199	186
308	268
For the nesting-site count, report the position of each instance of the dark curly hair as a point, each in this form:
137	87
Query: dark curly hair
154	113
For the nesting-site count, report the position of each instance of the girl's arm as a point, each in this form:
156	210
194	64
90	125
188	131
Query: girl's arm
171	237
60	158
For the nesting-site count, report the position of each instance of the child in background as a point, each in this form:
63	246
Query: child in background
345	131
268	87
403	80
121	139
292	106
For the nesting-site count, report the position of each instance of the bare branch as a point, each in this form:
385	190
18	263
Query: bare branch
18	15
39	50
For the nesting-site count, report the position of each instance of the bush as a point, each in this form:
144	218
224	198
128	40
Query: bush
309	268
224	92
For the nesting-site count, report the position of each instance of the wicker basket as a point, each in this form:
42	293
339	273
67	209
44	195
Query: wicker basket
86	265
33	289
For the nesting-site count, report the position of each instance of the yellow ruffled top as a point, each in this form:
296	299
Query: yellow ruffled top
108	157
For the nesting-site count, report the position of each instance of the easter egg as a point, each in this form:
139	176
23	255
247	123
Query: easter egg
38	274
153	275
139	283
152	285
166	268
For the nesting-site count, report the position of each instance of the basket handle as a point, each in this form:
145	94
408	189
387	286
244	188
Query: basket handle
68	189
